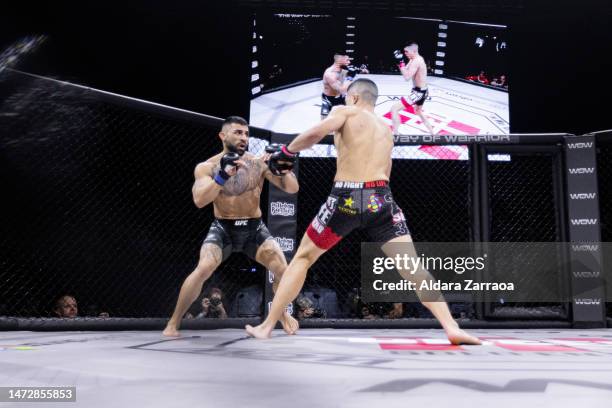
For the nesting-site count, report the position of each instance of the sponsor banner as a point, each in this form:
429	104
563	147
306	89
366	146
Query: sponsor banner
286	244
282	209
288	309
282	218
456	139
588	280
583	196
580	145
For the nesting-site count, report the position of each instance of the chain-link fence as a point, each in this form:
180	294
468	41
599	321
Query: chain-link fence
524	206
431	186
98	203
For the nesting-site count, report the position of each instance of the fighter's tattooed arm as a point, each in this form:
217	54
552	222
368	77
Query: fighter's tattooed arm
247	178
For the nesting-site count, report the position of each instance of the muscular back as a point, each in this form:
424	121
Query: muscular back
332	81
364	146
420	76
240	195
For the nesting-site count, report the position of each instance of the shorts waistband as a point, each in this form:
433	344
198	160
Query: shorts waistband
246	222
361	184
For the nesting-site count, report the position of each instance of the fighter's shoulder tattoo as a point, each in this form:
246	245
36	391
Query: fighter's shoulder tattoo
246	179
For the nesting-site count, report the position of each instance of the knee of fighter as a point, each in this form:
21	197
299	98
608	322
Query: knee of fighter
203	271
268	251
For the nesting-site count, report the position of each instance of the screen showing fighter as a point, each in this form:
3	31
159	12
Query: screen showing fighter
435	76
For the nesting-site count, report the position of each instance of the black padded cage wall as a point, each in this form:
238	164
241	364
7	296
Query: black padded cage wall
522	196
500	189
97	191
604	173
435	195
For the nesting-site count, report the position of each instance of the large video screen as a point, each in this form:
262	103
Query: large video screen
465	71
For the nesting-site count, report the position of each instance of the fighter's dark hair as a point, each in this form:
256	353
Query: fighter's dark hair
235	119
58	304
366	88
411	43
215	290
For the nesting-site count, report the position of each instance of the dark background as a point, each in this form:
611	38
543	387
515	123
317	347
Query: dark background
379	36
57	145
464	58
293	49
197	56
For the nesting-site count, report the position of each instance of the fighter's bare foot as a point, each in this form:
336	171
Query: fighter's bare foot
289	323
457	336
170	331
258	332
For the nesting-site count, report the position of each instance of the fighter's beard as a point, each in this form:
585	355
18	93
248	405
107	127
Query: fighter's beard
233	149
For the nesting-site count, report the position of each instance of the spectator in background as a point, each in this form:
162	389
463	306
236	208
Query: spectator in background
380	67
365	313
429	67
212	306
66	307
482	78
306	310
93	310
397	312
363	68
382	311
502	81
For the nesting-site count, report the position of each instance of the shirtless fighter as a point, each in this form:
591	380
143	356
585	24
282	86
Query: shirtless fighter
336	80
232	180
417	71
363	142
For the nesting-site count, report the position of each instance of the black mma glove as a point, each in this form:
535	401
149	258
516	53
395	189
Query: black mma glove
351	72
282	154
228	162
399	56
273	147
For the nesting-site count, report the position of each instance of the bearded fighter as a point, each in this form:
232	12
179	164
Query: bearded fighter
232	181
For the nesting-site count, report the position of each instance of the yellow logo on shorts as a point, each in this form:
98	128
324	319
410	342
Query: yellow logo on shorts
347	207
374	203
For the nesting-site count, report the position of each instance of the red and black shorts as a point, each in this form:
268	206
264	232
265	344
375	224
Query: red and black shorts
351	205
417	97
328	102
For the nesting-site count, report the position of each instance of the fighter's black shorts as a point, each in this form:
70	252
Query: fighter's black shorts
416	97
328	102
238	236
351	205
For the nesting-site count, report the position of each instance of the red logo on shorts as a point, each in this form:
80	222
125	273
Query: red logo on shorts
324	240
377	183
